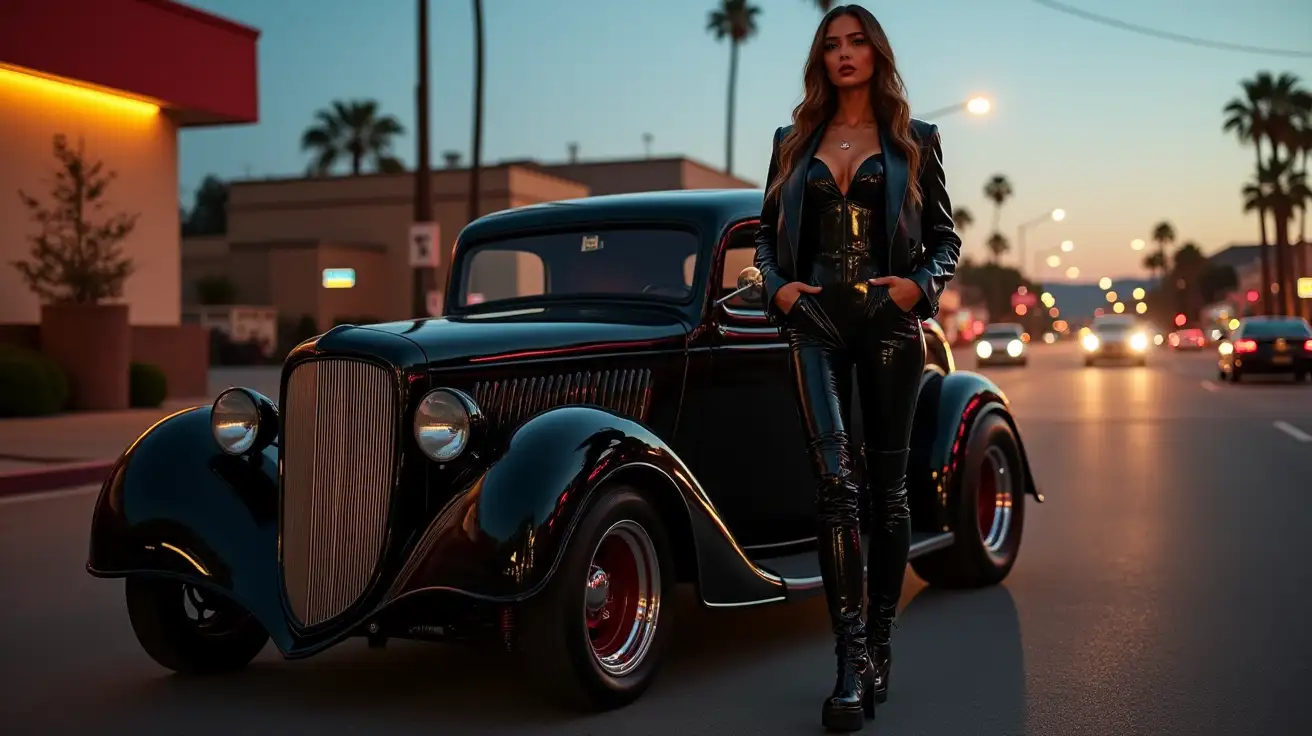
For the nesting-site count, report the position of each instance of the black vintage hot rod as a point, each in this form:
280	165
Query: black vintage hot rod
603	413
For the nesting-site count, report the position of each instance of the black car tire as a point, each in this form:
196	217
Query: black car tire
558	637
970	562
1235	375
158	610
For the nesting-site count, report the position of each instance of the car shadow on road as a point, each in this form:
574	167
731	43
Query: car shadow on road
960	664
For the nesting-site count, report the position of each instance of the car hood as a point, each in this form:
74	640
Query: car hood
1115	335
539	332
1000	342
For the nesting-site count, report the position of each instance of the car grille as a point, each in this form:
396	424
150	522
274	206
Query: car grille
509	402
338	451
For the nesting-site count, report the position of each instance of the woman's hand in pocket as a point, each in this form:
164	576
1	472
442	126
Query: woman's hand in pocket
905	293
790	292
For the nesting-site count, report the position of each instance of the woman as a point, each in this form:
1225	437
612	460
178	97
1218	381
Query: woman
855	246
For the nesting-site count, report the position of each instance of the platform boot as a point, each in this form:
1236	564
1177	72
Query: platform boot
890	542
851	701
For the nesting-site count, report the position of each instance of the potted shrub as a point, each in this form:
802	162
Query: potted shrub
77	268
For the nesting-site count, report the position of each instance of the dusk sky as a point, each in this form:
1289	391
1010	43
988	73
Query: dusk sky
1119	129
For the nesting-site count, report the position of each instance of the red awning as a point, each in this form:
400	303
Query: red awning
200	67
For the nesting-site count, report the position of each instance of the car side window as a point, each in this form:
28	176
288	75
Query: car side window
739	253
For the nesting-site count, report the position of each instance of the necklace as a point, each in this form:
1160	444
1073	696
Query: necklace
844	145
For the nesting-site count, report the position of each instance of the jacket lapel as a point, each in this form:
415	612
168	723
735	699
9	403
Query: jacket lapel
895	179
793	192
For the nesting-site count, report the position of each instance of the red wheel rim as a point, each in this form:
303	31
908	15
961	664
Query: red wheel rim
622	598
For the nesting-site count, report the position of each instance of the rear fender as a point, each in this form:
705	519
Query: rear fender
503	537
947	410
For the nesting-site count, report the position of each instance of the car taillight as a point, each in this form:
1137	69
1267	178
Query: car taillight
1308	346
1246	346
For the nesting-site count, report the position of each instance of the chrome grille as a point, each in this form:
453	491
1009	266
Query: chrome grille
509	402
338	450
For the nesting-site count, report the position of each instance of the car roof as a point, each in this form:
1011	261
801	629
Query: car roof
706	209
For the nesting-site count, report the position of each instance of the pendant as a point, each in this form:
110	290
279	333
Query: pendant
844	145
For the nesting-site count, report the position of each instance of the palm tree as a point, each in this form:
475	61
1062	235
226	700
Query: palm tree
1163	235
1247	117
736	21
1283	189
476	156
997	245
356	130
963	219
1154	263
998	190
1190	264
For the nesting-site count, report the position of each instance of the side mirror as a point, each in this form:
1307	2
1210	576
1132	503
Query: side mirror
750	286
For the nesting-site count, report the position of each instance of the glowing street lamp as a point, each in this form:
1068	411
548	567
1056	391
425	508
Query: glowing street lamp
1072	273
1067	246
1053	215
1137	244
1054	261
977	106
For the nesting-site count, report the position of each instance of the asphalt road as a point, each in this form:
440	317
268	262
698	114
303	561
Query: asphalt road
1163	589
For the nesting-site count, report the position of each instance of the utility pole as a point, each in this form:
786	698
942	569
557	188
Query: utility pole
423	176
477	154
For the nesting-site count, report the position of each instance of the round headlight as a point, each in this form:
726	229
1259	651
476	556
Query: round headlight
1225	348
235	421
1139	341
442	426
984	350
1090	342
1015	348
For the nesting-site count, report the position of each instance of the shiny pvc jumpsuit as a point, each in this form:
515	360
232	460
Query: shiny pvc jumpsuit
851	323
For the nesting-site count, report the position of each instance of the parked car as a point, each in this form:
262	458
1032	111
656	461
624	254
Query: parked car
1188	339
1115	337
1267	345
537	470
1002	343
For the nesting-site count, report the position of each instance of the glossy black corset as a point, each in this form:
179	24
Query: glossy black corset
844	240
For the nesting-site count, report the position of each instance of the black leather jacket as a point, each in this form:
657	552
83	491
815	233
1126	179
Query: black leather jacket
923	242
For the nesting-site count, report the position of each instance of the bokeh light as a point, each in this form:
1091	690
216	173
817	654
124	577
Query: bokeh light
1138	292
1067	246
1111	297
1054	261
1105	283
1141	308
1072	273
1118	307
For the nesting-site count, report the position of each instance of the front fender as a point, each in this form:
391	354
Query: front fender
947	410
176	505
502	538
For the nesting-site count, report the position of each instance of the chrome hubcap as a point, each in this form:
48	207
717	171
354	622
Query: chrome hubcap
994	499
622	598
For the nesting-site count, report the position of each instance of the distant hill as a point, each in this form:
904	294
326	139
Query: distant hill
1077	301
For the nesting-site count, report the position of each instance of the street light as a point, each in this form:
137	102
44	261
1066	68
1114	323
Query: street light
1055	215
1067	246
1136	244
978	105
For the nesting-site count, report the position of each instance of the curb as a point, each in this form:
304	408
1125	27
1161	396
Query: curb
64	475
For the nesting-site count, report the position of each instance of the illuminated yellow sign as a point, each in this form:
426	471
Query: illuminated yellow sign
338	278
45	87
1305	288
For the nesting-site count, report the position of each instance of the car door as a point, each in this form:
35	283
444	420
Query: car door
751	456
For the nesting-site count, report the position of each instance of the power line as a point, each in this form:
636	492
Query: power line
1169	36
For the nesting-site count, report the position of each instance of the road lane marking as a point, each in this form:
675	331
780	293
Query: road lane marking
48	495
1292	431
1211	386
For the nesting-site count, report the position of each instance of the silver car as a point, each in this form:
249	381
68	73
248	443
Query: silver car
1003	343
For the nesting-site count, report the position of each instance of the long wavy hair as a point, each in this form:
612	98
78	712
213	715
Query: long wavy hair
888	98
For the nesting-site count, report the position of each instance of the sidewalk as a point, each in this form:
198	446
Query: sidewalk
79	448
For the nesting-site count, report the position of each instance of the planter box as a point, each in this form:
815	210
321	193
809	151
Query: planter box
93	344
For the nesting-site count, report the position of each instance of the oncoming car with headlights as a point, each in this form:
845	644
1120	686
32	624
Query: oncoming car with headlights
1002	343
595	419
1113	337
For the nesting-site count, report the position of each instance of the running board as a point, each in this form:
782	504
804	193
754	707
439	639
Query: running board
801	572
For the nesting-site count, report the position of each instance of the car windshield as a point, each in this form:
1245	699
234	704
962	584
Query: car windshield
643	263
1113	325
1277	328
1004	330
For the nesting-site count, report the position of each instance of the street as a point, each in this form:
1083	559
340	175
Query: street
1164	588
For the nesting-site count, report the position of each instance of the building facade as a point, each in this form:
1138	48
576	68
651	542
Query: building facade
117	78
336	249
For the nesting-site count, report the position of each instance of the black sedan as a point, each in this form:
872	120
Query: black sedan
1267	345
